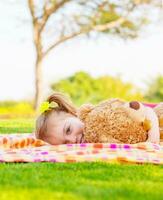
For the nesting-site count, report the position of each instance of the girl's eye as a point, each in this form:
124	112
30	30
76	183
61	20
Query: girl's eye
68	130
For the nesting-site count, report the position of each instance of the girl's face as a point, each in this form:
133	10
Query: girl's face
63	128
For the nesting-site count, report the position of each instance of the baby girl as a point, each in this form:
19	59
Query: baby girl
59	124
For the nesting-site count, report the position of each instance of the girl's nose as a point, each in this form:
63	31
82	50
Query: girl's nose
79	133
79	129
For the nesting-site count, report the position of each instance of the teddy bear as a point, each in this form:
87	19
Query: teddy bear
117	121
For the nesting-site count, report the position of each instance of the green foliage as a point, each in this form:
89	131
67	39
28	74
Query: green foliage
107	17
16	109
128	24
108	13
155	90
83	88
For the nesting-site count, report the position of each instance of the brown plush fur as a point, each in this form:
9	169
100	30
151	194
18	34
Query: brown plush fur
110	121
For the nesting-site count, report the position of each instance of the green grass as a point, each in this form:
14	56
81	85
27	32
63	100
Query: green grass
17	126
78	180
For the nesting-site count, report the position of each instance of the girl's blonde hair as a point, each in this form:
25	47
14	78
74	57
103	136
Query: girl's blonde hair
64	104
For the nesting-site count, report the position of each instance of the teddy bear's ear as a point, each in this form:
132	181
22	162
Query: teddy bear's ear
84	110
135	110
134	105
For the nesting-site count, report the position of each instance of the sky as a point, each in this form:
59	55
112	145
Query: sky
136	61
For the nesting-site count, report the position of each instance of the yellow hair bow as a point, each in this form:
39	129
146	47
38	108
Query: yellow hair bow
45	106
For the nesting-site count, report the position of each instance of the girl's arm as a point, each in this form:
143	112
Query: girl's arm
153	133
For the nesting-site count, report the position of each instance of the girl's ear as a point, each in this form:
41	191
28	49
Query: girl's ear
84	110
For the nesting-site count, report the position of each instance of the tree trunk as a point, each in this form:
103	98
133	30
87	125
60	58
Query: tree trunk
38	83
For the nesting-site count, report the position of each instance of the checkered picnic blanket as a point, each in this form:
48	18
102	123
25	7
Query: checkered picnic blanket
26	148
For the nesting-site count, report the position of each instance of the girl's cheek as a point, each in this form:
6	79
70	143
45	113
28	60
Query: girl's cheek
52	139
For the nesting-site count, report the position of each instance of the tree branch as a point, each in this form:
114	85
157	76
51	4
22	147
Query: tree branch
113	24
98	28
32	11
48	12
63	39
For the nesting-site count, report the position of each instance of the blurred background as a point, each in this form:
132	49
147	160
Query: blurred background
89	49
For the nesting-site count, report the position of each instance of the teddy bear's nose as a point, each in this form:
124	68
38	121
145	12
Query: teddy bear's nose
134	105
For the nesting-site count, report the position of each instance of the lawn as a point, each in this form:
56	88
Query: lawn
16	125
76	181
